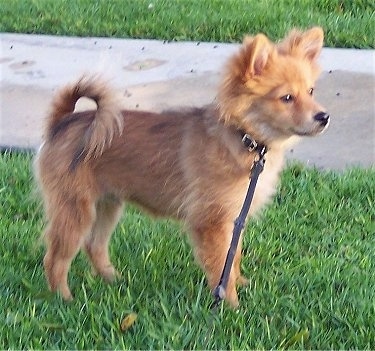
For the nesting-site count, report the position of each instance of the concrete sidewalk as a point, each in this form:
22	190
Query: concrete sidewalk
156	75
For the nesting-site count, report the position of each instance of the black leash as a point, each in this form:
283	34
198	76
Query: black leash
239	223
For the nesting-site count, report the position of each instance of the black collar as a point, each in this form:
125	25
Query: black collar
252	145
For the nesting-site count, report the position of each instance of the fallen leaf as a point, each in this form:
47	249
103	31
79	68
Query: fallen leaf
128	321
52	326
302	335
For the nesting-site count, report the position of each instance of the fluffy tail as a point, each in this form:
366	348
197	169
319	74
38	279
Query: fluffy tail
107	121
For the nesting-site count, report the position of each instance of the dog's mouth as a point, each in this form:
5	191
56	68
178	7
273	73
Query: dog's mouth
311	133
316	129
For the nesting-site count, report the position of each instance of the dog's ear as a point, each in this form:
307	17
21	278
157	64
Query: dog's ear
257	52
312	42
307	44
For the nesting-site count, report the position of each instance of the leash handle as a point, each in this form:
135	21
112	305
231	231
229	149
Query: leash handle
239	223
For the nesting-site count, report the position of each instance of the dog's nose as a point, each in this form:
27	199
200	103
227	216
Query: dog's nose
322	117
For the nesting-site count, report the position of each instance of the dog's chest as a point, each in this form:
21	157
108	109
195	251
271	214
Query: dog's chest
267	182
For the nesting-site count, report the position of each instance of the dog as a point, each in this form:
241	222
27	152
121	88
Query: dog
191	165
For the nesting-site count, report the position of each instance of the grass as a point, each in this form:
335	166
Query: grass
347	23
310	259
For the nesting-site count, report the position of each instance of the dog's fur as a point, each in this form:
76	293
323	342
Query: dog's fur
190	165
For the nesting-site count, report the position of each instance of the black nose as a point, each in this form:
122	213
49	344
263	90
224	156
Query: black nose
322	117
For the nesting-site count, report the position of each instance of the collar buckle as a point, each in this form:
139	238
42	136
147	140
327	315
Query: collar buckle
249	143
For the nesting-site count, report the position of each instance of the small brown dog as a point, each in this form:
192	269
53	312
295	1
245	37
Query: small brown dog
191	165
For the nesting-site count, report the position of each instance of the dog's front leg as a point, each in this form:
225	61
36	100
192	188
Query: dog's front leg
211	243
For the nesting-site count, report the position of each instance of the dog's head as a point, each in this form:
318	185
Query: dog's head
268	88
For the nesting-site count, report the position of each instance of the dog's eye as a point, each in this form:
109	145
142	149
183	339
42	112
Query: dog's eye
287	98
311	91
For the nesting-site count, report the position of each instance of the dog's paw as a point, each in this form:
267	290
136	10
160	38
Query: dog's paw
242	281
232	298
109	273
66	294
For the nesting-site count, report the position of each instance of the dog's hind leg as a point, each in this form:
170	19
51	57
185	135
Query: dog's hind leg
69	223
108	212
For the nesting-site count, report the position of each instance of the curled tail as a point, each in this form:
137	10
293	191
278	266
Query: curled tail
106	122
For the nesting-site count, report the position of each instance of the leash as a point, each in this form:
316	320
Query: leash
256	169
239	223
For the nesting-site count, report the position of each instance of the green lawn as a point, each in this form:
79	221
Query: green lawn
347	23
310	259
311	256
